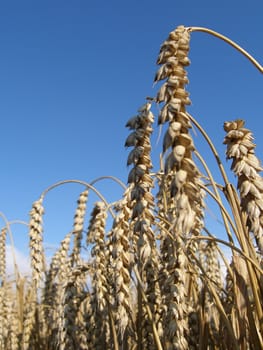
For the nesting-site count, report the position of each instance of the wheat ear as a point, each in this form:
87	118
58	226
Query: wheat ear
180	196
36	242
142	220
2	255
78	227
247	167
121	261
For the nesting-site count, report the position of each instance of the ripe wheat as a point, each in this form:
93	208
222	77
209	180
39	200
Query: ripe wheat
145	272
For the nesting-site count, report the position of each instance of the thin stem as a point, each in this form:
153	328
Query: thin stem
118	181
218	303
113	330
230	42
211	145
216	193
245	245
223	210
63	182
230	245
150	315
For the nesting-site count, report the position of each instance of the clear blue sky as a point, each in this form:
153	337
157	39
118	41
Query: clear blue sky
73	72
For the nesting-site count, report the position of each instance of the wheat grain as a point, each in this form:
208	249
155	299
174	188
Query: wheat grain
29	322
142	220
214	274
78	227
121	263
96	236
36	242
247	167
180	197
13	335
72	293
3	314
2	255
58	273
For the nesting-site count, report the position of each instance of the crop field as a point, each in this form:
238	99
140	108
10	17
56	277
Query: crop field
154	277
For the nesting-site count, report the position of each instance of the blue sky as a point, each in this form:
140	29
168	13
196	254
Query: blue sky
73	72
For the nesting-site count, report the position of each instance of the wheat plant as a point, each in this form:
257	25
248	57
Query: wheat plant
144	272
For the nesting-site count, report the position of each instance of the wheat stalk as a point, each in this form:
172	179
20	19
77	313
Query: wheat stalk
153	281
180	196
121	263
246	166
29	318
3	255
142	221
99	298
78	226
72	293
36	241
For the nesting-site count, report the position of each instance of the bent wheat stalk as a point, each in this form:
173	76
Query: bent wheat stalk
230	42
148	276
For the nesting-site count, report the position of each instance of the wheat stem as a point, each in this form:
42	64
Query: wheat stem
230	42
216	194
140	284
211	145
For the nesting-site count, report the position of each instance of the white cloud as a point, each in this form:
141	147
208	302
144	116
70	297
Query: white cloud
228	256
22	261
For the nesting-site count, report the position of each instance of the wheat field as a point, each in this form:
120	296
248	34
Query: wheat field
154	277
